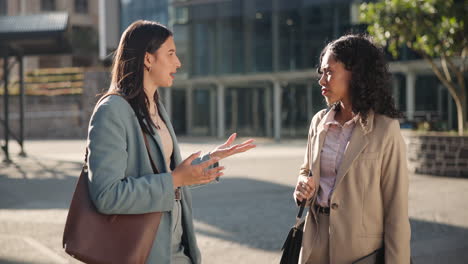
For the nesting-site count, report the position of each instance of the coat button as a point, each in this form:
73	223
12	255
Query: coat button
334	206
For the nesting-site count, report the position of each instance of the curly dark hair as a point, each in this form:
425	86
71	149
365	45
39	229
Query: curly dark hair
370	78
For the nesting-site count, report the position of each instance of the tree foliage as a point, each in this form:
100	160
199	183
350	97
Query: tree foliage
435	29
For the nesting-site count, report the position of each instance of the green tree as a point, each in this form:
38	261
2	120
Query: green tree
435	29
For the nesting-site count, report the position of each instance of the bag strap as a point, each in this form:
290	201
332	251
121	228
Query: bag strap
153	165
299	215
303	203
301	209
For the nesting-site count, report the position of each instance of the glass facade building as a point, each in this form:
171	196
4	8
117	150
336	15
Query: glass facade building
242	36
132	10
250	65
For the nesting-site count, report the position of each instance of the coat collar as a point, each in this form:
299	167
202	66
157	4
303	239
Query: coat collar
357	143
367	124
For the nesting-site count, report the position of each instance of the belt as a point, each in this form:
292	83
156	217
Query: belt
322	210
178	194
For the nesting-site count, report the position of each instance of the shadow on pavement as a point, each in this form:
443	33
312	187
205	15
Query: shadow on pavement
35	184
254	213
258	214
7	261
250	212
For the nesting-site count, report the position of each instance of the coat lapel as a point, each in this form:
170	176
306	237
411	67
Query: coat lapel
316	146
317	143
176	156
317	149
357	143
159	148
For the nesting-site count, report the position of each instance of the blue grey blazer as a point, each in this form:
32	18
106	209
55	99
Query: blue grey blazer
121	180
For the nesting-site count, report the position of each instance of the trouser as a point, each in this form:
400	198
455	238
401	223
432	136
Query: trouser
320	252
178	255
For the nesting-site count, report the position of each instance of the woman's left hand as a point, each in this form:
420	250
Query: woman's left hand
225	150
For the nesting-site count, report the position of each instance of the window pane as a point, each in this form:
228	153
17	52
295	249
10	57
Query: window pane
261	49
48	5
3	7
132	10
81	6
230	36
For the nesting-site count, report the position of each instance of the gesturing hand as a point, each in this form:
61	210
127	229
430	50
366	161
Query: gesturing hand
225	150
188	174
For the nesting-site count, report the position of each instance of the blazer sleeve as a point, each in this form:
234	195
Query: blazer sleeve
395	185
305	167
110	191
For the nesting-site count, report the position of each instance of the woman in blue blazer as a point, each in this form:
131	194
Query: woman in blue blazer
121	179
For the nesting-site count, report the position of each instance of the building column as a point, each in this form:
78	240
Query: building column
267	102
410	95
220	95
234	110
188	108
396	92
255	111
309	100
22	7
22	104
6	76
212	94
277	110
102	30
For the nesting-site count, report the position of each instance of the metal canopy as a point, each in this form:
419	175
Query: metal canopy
32	35
28	35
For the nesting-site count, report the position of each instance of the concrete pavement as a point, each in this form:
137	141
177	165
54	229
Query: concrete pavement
243	219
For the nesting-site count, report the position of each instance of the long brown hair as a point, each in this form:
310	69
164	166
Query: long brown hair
128	67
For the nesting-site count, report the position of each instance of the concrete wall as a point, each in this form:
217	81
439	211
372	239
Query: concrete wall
437	154
64	116
47	117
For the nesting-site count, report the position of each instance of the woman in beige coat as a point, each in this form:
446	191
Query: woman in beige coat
354	177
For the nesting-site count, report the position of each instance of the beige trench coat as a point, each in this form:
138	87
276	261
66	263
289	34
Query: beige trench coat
369	205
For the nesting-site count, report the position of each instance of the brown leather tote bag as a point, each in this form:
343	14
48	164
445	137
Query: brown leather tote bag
96	238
